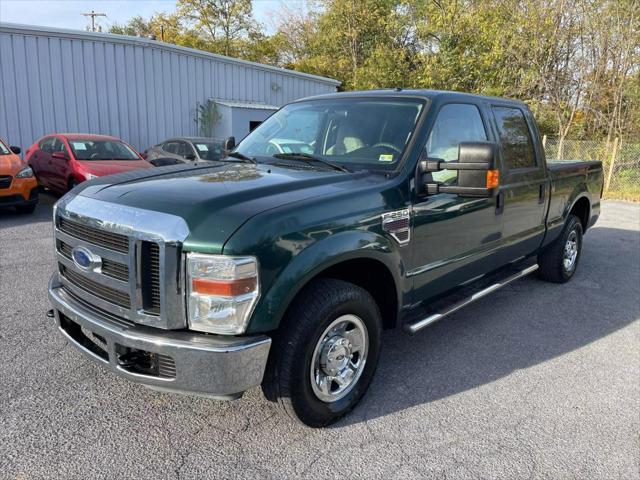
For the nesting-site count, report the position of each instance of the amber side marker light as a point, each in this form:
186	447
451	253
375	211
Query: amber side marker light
493	178
223	288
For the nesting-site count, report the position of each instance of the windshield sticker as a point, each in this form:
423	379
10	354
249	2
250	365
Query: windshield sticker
202	147
79	145
385	157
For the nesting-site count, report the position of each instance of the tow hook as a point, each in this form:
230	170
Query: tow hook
50	313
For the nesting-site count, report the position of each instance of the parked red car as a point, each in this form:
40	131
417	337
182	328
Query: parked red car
61	161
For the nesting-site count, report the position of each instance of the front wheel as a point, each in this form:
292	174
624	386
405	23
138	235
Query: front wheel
326	353
559	261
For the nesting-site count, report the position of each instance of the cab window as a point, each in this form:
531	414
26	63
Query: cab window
455	123
515	138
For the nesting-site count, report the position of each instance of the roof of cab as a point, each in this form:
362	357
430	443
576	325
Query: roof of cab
427	94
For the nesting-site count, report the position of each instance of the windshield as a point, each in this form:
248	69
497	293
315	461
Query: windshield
208	150
362	132
101	150
4	150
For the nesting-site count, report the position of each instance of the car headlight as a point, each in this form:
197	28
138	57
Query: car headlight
25	173
222	292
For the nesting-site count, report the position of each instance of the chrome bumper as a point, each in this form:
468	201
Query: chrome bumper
211	365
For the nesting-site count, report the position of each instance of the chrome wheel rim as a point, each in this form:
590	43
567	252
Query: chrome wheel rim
339	358
570	251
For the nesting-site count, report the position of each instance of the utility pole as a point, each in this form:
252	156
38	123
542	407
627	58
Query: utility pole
93	16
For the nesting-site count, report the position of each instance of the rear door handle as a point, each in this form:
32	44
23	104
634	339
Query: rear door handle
500	203
541	195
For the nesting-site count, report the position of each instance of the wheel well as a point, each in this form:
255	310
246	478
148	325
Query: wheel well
581	210
375	278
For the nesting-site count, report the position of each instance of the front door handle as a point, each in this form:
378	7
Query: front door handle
500	203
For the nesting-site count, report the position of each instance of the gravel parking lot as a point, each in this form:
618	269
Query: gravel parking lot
537	381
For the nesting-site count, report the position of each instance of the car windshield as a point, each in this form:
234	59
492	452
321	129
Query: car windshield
89	149
208	150
4	150
361	132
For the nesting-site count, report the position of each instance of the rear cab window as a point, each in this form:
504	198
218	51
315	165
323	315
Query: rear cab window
515	138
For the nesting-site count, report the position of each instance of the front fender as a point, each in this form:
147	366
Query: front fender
317	257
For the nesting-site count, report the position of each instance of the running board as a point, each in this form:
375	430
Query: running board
414	327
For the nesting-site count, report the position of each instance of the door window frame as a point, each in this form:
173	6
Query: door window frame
485	116
508	171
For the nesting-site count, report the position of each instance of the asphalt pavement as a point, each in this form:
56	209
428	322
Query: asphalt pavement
536	381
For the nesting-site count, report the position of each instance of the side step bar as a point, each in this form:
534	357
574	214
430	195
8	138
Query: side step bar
414	327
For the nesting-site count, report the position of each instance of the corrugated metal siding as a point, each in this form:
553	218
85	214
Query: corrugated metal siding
139	90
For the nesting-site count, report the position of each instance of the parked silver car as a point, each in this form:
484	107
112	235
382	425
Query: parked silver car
184	150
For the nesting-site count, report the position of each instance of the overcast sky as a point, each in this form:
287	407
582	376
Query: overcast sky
67	13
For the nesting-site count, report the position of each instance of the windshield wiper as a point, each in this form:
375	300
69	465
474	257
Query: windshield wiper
310	158
241	156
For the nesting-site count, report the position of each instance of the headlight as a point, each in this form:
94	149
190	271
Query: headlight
222	292
25	173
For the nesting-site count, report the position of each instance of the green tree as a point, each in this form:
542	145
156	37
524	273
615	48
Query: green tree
224	23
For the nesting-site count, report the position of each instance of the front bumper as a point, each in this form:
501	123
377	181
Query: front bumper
18	197
185	362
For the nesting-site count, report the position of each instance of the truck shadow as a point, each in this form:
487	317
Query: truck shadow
525	324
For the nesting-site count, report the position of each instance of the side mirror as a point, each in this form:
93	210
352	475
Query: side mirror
15	150
60	155
476	166
229	143
190	156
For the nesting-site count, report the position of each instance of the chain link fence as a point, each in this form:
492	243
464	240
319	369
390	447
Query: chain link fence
620	160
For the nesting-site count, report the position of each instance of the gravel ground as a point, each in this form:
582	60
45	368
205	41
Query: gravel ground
537	381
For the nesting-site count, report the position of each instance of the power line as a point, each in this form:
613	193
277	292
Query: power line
93	16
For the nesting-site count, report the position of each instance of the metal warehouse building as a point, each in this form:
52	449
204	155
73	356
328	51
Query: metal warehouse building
140	90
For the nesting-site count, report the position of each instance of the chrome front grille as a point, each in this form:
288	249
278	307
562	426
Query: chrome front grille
95	236
115	270
108	294
135	271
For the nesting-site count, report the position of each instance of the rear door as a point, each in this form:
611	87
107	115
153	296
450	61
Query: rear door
523	186
455	238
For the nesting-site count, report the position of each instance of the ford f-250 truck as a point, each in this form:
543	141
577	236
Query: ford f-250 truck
340	216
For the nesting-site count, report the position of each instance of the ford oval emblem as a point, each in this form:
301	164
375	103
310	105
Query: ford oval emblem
85	259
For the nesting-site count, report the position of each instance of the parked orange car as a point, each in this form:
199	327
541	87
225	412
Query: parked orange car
18	185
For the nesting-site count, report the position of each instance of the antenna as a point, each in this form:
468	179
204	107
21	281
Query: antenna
93	16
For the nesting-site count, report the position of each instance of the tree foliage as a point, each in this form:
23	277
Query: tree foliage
576	62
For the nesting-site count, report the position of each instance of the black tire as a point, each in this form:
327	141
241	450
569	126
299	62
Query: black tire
288	376
26	208
551	261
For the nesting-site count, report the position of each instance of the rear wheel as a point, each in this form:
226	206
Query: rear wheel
559	262
323	360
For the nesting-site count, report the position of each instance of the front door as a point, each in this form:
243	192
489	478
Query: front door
455	238
60	170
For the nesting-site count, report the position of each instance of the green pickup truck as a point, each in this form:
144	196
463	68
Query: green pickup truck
340	216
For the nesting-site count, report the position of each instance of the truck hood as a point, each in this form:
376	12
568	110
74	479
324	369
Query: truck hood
216	199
